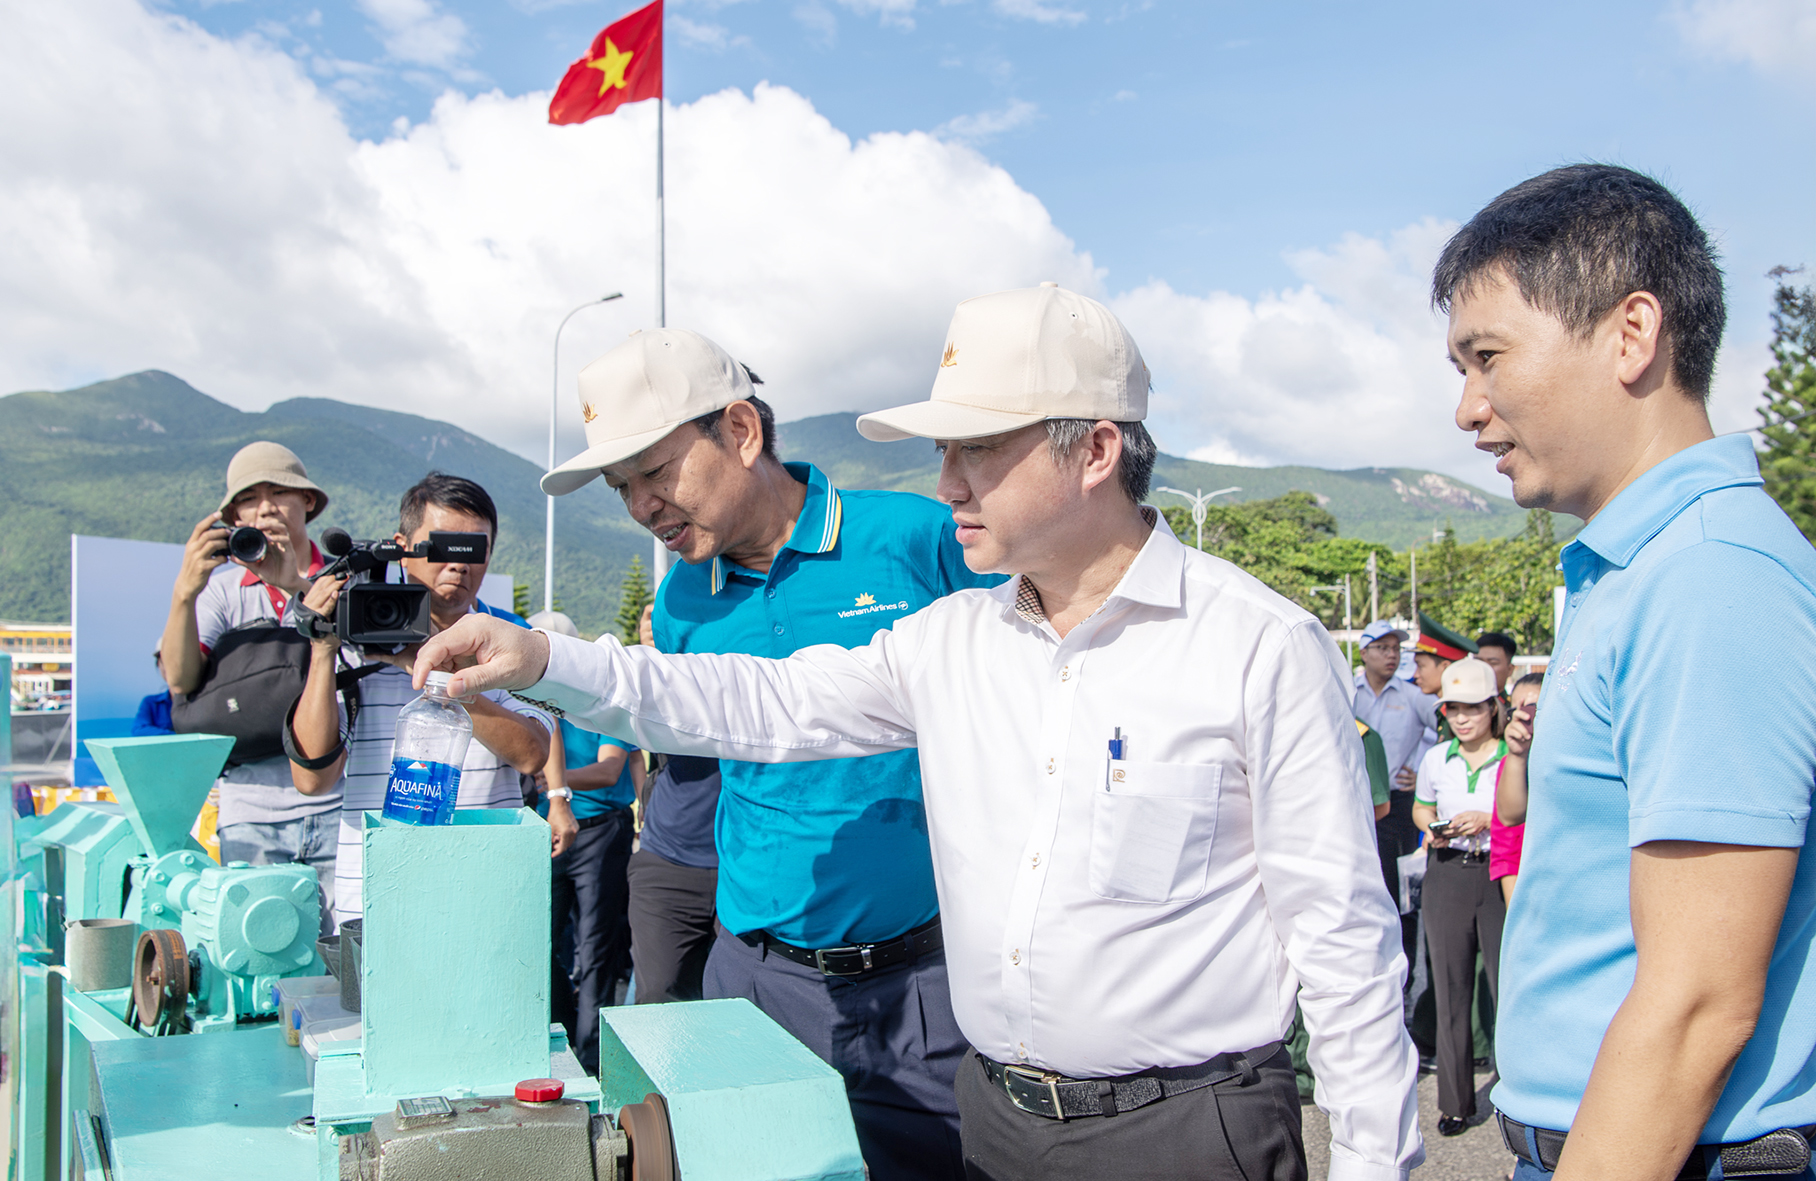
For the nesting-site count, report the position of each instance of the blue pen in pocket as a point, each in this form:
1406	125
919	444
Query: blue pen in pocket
1111	775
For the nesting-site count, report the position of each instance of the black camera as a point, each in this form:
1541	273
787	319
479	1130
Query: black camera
243	542
374	613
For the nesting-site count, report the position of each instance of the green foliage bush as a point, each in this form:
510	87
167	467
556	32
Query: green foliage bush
1291	544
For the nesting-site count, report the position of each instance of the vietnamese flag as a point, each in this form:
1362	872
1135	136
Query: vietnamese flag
624	66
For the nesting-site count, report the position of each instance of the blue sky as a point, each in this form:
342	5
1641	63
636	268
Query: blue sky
362	199
1195	142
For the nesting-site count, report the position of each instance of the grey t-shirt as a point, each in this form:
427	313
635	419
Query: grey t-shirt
261	792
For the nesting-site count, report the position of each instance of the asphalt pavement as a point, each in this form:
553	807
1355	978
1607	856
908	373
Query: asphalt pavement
1476	1155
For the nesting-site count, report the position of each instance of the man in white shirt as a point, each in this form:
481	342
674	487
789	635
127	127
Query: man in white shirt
1146	797
1401	713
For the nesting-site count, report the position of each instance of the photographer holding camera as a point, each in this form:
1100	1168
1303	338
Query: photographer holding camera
245	563
510	738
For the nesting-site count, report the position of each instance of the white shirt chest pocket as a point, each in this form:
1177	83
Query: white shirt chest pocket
1152	826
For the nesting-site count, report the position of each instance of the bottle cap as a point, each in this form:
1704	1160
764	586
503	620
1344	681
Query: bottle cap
437	683
540	1090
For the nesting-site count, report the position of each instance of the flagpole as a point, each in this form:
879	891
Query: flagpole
661	224
659	559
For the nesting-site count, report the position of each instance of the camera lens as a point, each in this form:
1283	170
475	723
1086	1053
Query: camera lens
385	613
246	543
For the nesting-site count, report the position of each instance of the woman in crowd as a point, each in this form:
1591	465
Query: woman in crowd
1510	789
1463	910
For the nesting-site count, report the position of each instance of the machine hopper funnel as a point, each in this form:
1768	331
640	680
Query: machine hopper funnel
162	783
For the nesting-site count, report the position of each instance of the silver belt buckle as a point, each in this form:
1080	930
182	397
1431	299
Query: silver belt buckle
861	951
1038	1076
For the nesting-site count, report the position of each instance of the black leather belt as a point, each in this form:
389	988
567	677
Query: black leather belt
1785	1152
595	820
1467	857
1044	1093
855	959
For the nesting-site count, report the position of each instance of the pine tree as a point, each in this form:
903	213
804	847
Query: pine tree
520	599
1789	460
633	596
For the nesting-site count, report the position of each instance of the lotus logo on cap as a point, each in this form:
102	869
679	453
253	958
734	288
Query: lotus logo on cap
587	413
951	357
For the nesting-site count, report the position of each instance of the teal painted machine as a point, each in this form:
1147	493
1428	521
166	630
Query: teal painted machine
215	938
454	1018
238	928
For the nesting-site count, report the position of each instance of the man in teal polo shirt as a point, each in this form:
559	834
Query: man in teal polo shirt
828	916
1657	998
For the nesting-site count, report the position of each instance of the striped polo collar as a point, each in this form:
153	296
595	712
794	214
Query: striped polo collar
816	529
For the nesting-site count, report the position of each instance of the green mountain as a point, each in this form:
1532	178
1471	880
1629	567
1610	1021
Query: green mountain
143	457
1398	506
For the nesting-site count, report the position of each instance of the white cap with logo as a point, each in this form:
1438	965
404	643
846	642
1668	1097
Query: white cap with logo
637	394
1467	681
1020	357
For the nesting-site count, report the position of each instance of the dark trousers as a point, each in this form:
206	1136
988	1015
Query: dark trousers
1396	836
1463	917
890	1033
671	927
591	935
1226	1132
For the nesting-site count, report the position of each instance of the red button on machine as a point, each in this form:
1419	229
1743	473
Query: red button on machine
540	1090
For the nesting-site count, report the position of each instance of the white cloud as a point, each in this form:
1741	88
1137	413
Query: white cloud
204	209
1775	35
899	13
819	20
1347	370
1038	10
974	129
227	227
415	31
700	35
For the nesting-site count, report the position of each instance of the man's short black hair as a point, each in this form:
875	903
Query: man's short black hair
450	492
1499	640
1534	679
1578	240
709	423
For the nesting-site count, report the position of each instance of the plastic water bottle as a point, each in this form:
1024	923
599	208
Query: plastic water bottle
432	736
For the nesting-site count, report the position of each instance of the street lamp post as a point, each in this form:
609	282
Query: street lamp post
1199	500
548	543
1348	625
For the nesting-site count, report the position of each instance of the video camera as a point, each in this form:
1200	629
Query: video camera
371	612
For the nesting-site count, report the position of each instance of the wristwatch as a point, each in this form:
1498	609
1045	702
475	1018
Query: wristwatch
561	793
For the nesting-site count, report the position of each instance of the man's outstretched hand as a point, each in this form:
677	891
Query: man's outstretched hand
483	653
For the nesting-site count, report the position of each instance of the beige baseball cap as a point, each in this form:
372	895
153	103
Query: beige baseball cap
638	393
1467	681
269	463
1020	357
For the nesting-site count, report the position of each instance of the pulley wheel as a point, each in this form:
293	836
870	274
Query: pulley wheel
645	1125
160	980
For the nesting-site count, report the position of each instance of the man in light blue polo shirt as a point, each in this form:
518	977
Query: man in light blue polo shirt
1657	998
828	916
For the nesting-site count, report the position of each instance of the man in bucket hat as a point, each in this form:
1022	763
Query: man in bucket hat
1147	800
263	819
829	920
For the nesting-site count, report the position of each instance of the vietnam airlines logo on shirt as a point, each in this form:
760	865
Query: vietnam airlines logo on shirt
866	604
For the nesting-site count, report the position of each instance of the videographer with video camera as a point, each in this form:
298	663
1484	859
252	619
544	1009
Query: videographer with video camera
510	738
243	565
